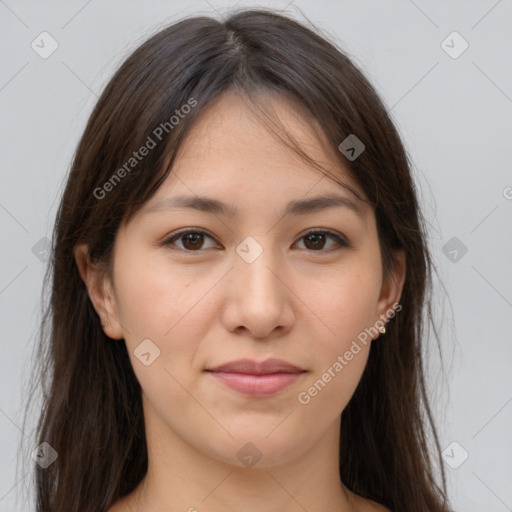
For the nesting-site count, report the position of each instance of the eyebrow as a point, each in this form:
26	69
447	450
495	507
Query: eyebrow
295	207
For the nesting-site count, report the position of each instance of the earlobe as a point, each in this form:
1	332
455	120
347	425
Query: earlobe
99	290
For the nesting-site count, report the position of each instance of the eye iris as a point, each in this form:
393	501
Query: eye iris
317	240
196	239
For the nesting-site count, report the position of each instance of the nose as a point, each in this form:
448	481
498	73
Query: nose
258	298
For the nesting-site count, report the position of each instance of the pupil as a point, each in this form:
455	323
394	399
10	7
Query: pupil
193	238
313	241
317	239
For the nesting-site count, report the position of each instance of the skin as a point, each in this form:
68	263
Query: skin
206	307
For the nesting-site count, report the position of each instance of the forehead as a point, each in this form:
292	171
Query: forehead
231	165
231	155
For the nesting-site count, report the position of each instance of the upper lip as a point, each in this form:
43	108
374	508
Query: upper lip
257	368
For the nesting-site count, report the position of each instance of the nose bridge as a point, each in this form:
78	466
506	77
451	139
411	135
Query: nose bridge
256	269
259	300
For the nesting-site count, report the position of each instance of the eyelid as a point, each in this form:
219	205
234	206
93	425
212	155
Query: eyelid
167	241
340	238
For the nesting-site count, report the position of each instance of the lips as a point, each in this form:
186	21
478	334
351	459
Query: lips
255	368
257	379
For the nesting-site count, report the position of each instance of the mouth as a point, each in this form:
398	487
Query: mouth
257	379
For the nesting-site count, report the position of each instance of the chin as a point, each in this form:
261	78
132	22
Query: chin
262	446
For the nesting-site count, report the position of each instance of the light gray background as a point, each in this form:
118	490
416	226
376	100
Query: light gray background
454	115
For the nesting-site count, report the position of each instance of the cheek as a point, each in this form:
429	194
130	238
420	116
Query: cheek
345	304
171	308
154	300
347	309
157	303
341	353
332	386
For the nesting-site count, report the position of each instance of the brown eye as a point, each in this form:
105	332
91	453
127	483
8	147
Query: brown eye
194	241
191	241
316	240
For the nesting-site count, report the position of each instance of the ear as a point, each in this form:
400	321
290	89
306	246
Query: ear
392	286
100	291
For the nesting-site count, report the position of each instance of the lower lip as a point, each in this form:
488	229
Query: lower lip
257	385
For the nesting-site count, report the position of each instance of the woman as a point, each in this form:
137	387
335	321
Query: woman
239	274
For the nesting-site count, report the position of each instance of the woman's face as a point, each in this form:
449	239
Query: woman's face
240	277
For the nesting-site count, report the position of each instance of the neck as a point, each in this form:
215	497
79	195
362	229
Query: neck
180	478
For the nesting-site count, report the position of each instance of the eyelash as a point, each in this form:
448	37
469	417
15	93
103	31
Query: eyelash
343	243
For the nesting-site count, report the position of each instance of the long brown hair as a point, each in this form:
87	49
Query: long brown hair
92	412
